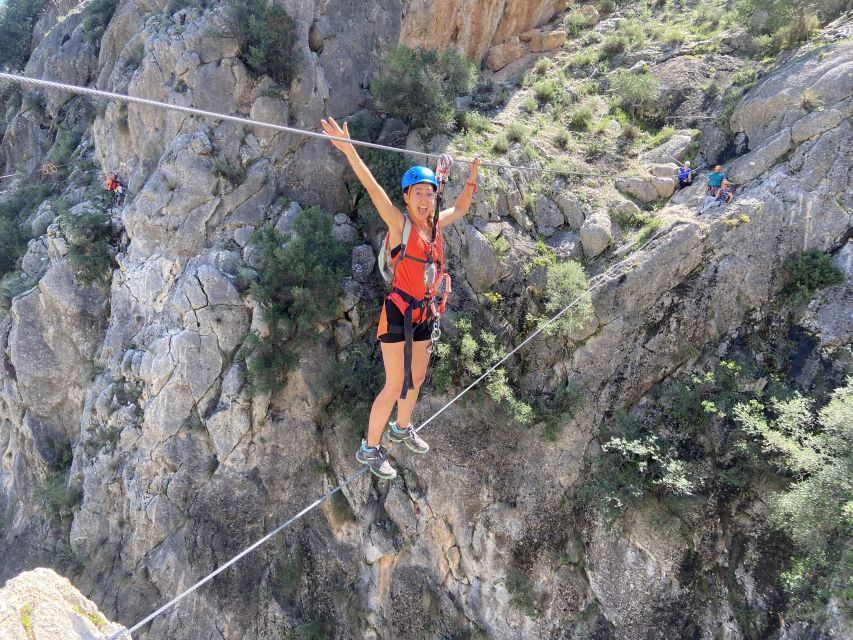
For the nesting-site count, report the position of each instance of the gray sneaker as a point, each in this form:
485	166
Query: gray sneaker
377	459
408	437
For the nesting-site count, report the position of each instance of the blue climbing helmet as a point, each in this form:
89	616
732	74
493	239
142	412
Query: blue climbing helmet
416	175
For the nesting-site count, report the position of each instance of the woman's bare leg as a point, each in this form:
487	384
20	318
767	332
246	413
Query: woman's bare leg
392	359
420	362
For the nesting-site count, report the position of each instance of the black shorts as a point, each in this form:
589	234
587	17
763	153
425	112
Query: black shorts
421	331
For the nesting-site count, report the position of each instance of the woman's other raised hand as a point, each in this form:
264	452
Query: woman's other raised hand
332	128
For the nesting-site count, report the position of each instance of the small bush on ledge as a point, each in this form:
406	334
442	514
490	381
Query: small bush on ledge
299	289
419	85
265	34
807	273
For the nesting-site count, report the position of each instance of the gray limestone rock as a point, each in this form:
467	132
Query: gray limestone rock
572	208
242	235
643	189
547	216
52	608
664	170
664	187
35	260
776	102
756	162
596	234
675	148
627	208
363	261
815	124
566	245
284	224
346	233
482	266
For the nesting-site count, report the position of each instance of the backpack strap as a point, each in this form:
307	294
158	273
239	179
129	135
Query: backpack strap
404	240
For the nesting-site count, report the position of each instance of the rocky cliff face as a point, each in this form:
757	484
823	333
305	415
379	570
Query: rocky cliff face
40	605
473	26
179	465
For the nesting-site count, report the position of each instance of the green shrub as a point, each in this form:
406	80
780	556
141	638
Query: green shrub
630	219
614	44
386	167
637	462
816	511
520	588
56	498
638	93
530	104
606	7
808	272
97	15
17	19
576	21
500	244
585	57
221	168
795	19
562	138
745	77
633	32
11	285
674	36
516	132
419	85
542	65
711	90
473	121
632	132
354	383
555	411
134	55
566	284
90	237
66	143
312	630
298	287
594	148
661	136
500	144
287	574
266	36
464	356
545	90
14	209
581	117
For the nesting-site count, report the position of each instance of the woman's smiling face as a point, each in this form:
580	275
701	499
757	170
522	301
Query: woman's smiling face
420	201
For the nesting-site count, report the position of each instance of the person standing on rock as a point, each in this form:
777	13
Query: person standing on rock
715	180
406	312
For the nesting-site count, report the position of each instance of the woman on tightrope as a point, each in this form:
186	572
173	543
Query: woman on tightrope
405	322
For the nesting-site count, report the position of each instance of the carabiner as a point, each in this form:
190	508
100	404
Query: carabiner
435	335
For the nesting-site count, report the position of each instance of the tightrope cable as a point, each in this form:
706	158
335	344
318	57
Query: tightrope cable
599	280
97	93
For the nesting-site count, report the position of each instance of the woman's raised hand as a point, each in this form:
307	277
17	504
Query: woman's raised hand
332	128
475	169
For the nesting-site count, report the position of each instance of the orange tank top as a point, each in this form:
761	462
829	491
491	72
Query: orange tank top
409	274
